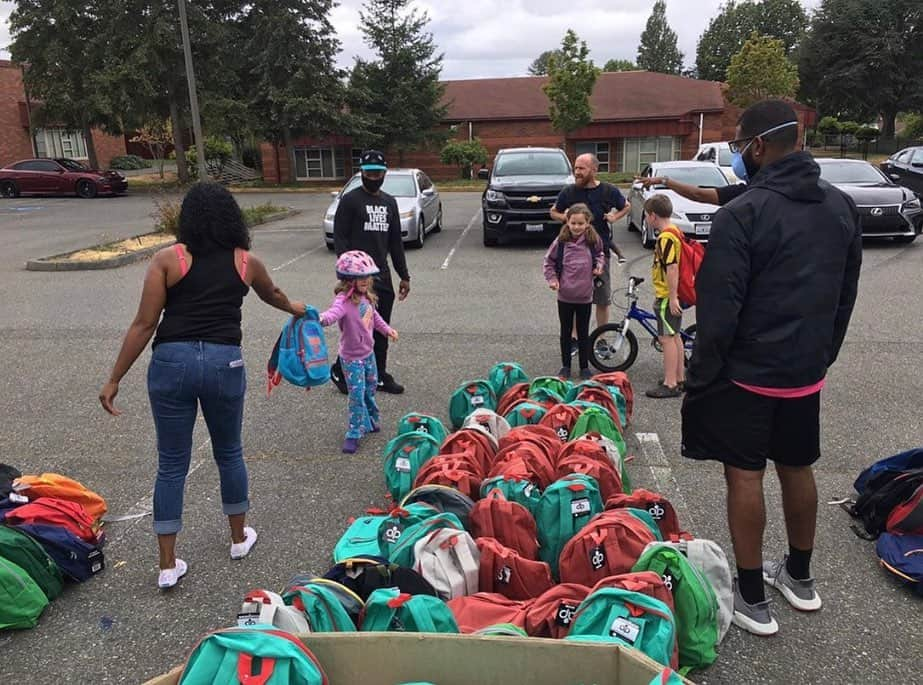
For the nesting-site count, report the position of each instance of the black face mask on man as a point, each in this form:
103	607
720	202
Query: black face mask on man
373	185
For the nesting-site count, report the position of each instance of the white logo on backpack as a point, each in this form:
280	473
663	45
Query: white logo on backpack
267	608
449	559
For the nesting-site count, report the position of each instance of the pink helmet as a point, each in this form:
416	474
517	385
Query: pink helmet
356	264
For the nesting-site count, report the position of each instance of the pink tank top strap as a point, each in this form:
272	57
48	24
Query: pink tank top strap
181	254
244	257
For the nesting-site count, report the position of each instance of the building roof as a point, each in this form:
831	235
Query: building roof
617	96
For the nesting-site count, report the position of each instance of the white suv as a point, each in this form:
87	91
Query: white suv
719	154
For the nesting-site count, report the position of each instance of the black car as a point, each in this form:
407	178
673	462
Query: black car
522	187
886	209
906	168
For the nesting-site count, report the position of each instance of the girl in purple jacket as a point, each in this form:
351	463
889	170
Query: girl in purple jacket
354	309
573	260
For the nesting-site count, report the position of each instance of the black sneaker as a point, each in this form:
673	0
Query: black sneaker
663	391
336	376
389	385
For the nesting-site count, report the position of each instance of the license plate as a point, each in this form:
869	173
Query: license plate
535	228
702	229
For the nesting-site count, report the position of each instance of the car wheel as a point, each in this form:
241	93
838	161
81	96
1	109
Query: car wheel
491	238
9	189
421	233
631	226
437	227
904	239
86	189
330	246
647	240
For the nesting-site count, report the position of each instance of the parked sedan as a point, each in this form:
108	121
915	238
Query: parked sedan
886	210
58	176
692	218
417	199
906	168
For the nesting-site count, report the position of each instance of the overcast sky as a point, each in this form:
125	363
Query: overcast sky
501	38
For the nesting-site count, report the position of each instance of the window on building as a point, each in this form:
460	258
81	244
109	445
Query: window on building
319	163
598	148
356	154
637	153
58	142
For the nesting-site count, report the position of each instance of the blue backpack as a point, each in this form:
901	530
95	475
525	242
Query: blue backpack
902	555
300	354
905	461
77	559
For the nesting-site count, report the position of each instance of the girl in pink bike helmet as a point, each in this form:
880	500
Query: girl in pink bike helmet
354	310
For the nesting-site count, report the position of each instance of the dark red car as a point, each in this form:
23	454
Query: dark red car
58	176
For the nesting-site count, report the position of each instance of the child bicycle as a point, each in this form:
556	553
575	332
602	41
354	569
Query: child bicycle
614	347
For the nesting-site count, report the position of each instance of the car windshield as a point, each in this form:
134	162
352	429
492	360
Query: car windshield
532	164
398	185
845	172
71	165
703	176
724	157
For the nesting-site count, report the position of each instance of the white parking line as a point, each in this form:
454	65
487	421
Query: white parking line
445	264
663	476
291	261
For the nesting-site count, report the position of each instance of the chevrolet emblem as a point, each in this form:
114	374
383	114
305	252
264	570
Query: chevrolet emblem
533	199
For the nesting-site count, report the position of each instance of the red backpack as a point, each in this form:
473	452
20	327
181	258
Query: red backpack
508	522
608	545
561	420
459	471
655	504
504	571
476	441
56	512
691	255
539	435
482	609
619	379
590	458
907	517
525	461
515	394
551	613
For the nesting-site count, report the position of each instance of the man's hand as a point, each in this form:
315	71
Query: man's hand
675	307
403	290
393	335
553	284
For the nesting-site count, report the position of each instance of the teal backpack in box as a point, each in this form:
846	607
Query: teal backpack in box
300	353
390	610
423	423
628	618
322	606
404	456
21	599
31	557
260	655
477	394
504	376
565	507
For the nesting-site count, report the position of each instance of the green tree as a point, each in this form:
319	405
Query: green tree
464	154
913	126
397	98
620	65
867	133
863	58
829	126
658	50
539	66
759	71
736	21
572	76
849	128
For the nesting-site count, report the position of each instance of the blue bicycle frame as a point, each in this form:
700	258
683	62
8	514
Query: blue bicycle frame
648	320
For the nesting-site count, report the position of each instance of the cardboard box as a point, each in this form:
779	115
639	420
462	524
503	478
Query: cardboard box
395	658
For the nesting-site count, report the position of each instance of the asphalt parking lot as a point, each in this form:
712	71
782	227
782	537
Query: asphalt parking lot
469	307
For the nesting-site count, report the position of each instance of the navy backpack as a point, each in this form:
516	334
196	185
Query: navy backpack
78	560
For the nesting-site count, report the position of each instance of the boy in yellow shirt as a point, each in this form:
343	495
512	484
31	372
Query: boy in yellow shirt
665	276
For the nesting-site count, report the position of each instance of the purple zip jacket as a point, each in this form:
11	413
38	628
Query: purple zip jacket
576	282
357	321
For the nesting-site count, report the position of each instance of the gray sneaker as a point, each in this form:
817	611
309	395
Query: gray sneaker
754	618
799	593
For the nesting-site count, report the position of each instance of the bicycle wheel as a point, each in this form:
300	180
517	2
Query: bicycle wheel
610	350
688	342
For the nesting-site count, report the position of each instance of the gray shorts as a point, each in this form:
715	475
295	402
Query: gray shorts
602	295
667	323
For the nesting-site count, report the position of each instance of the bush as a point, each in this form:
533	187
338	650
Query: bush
256	214
849	128
829	126
866	133
217	152
166	214
252	157
913	126
817	140
128	162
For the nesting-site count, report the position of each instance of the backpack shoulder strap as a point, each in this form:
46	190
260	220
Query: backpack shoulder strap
181	255
559	264
244	259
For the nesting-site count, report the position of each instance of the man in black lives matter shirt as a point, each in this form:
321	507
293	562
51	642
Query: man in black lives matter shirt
368	219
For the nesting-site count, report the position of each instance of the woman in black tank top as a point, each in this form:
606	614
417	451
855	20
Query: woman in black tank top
194	291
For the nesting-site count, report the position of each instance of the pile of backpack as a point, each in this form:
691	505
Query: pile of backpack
523	522
50	532
890	510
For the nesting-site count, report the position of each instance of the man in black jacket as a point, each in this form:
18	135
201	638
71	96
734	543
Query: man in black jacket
368	219
774	297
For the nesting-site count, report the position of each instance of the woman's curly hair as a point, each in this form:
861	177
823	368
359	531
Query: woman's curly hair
210	220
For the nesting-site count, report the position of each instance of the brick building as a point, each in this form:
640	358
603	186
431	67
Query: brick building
638	117
19	140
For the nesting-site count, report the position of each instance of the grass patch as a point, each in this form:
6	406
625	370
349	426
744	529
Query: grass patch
257	214
617	177
117	248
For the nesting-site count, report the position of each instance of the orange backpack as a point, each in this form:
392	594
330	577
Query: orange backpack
692	252
503	570
508	522
61	487
619	379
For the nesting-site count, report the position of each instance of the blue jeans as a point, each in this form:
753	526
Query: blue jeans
362	380
181	377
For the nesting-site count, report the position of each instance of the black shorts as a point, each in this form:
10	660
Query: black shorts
726	423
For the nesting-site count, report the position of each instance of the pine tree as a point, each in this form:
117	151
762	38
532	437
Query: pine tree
658	50
571	79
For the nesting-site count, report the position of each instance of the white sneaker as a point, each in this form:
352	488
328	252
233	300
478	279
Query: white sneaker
241	549
169	576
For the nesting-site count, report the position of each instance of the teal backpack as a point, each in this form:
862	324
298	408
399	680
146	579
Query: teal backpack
260	655
477	394
545	397
321	606
694	601
558	386
402	519
628	618
504	376
424	423
522	492
404	456
565	507
373	534
401	553
21	599
502	630
525	413
617	397
300	353
25	552
389	610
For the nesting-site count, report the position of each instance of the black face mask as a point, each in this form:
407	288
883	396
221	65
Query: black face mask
372	184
